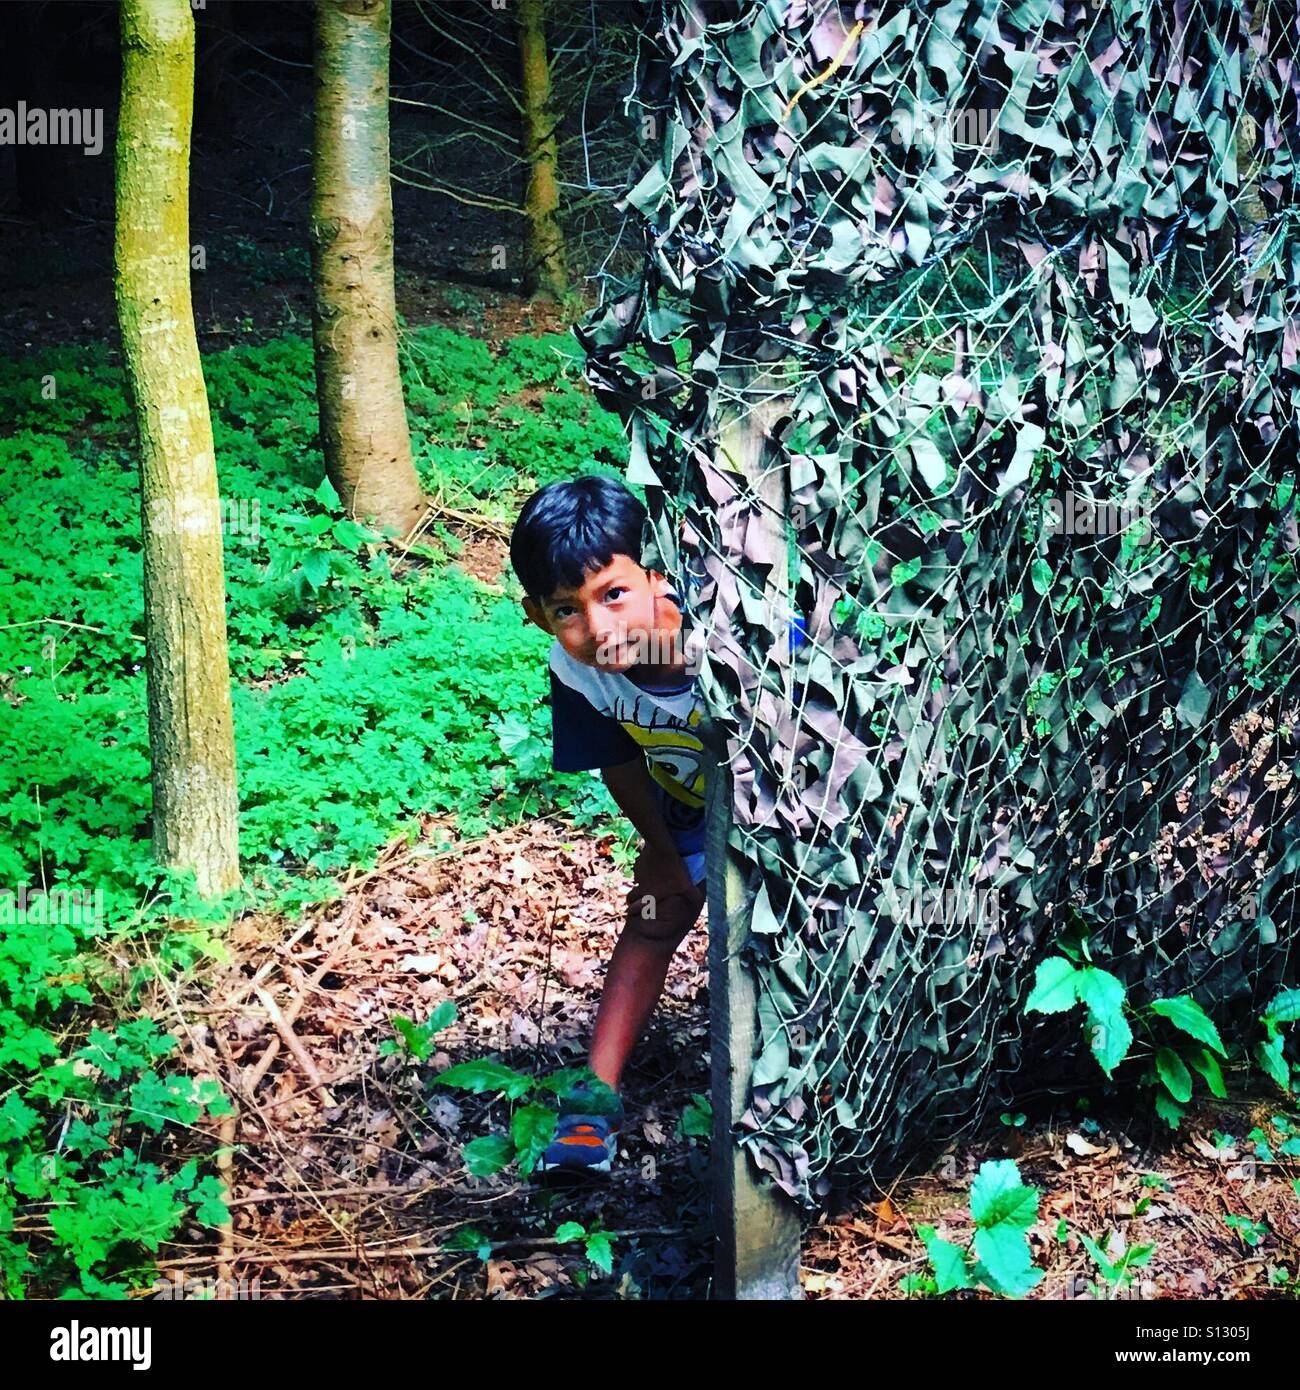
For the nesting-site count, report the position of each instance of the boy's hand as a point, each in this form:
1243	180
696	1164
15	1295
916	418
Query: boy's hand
663	871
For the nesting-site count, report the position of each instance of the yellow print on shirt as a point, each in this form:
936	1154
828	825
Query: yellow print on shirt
675	758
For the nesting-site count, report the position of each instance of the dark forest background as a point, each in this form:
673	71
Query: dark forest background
458	175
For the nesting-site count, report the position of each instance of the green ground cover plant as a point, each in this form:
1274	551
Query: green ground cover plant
365	693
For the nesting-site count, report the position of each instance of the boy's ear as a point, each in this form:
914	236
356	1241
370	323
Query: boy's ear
536	615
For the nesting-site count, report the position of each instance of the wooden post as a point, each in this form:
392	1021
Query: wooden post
756	1228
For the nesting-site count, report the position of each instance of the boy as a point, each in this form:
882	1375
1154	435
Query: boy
622	700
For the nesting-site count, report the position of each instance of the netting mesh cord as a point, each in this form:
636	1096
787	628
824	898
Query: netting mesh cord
1023	283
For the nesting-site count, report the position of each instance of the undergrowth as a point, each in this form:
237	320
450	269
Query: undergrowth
366	695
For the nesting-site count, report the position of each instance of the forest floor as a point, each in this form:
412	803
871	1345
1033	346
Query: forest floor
346	1173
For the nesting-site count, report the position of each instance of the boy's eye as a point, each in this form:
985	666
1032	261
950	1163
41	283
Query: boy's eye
617	589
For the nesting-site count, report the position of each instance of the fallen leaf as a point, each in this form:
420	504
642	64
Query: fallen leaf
425	965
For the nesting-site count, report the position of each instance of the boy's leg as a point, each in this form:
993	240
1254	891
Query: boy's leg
652	931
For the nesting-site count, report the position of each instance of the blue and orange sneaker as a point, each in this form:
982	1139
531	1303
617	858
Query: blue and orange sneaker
586	1136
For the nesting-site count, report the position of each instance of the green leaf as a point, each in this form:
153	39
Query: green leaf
1109	1271
1100	990
488	1155
1109	1033
208	1195
567	1077
697	1118
1207	1064
1004	1252
442	1017
1269	1056
1054	988
1109	1039
1169	1110
325	493
1283	1007
570	1230
471	1238
1185	1013
998	1196
600	1251
349	534
416	1042
316	567
532	1127
485	1075
1172	1071
1040	576
949	1261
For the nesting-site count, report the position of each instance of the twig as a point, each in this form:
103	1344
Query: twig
60	622
362	1252
225	1167
299	1052
342	939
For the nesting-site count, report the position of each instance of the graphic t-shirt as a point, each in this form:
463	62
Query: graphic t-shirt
601	719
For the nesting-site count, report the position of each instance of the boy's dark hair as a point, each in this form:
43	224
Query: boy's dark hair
568	528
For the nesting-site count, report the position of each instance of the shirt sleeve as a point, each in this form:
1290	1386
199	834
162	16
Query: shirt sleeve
582	737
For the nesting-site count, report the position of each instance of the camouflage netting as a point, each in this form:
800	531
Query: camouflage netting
992	264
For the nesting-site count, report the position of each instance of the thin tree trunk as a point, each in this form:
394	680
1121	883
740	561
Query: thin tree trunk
191	737
545	270
755	1227
362	414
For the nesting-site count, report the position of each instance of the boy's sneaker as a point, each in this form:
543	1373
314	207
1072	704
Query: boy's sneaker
586	1135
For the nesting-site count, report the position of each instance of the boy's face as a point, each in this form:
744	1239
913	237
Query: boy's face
618	619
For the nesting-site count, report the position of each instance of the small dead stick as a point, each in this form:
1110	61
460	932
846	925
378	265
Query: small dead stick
226	1168
386	1252
546	979
341	942
290	1039
262	972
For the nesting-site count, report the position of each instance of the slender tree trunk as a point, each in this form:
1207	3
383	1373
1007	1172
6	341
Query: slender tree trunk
545	270
756	1228
362	414
191	738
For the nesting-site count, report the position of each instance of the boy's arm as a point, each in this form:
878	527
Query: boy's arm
630	785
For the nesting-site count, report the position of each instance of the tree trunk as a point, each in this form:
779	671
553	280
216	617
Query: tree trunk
545	271
191	737
362	414
756	1228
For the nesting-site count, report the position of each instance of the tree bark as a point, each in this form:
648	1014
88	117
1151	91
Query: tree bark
545	270
191	737
362	413
756	1228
